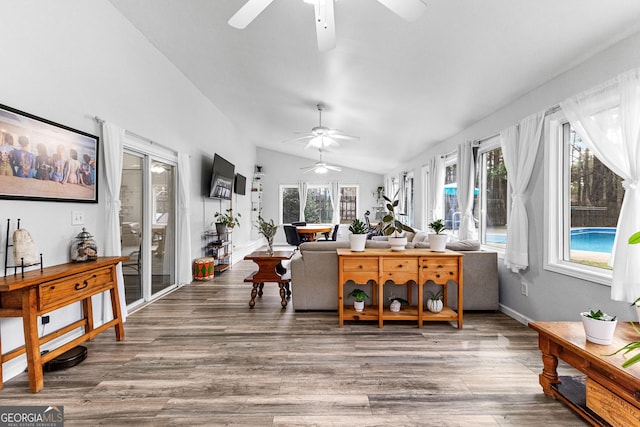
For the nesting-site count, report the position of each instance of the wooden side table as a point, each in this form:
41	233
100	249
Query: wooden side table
270	269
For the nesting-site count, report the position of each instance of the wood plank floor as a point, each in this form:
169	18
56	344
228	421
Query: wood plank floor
201	357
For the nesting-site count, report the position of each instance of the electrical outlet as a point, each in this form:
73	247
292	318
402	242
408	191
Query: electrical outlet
524	288
77	217
44	320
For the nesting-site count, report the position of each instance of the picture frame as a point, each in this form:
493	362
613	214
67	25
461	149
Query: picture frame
46	161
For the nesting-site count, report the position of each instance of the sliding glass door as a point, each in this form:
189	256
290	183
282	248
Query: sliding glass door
147	224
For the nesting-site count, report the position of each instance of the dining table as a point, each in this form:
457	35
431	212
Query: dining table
310	230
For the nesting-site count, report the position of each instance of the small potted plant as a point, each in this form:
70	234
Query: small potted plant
397	303
268	229
630	347
393	227
226	220
358	236
434	303
598	326
437	241
358	296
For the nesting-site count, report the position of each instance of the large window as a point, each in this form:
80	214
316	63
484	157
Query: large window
492	182
451	211
584	203
318	207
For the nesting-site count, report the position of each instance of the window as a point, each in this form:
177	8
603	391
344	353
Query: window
494	194
407	198
451	212
318	208
584	200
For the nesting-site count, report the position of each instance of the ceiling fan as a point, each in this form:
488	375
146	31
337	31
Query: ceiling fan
409	10
321	167
322	137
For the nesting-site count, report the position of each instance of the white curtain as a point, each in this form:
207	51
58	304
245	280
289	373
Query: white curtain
113	137
607	118
436	189
334	196
519	147
184	220
303	189
466	177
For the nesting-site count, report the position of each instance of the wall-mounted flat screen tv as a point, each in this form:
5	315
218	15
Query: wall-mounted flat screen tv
222	178
240	184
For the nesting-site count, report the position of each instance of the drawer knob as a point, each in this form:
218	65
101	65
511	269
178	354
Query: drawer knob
440	266
400	265
79	286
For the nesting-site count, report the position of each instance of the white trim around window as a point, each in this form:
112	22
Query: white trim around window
556	221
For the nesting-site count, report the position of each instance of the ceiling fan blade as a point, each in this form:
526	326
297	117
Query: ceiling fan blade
334	168
409	10
300	138
343	136
248	13
325	25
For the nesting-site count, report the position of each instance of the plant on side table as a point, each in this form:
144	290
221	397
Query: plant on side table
358	296
268	229
434	303
437	241
393	227
226	220
358	236
598	326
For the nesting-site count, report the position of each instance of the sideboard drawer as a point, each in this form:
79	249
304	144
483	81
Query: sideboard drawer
400	270
440	269
361	264
58	293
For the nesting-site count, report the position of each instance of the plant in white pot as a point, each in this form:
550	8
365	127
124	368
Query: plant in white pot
358	236
358	296
393	228
437	241
598	326
434	303
396	303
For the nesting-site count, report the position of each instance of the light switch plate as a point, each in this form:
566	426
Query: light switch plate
77	218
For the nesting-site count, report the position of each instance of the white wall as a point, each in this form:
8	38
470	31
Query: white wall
70	60
552	296
276	173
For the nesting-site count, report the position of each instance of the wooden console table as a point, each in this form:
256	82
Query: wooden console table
611	394
40	292
400	267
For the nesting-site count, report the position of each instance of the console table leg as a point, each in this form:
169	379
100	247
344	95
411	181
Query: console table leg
254	292
549	375
31	340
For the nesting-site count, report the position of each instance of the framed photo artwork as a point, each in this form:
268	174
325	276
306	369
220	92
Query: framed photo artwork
43	160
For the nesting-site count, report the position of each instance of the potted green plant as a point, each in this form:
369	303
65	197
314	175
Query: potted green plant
396	303
393	227
226	220
434	303
598	326
437	241
358	296
358	236
268	229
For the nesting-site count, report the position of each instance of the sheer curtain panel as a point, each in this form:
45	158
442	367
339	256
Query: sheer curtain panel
184	220
334	196
466	178
113	137
303	189
436	189
519	147
607	118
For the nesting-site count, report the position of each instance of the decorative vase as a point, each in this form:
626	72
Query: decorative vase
83	247
397	243
395	306
270	245
598	331
358	305
435	305
358	242
221	230
438	242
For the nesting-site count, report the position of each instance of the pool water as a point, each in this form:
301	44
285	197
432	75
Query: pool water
590	239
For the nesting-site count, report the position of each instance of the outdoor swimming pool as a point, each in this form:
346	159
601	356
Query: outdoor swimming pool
590	239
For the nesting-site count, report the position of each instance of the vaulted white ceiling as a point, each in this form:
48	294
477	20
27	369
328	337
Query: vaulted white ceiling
399	86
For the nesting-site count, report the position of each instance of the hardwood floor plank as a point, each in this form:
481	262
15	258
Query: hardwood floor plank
200	357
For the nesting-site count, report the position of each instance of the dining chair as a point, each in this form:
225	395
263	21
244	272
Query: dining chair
292	236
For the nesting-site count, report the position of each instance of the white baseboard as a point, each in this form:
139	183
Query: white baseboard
515	315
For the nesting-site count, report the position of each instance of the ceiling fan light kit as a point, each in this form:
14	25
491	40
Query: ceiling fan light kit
409	10
321	167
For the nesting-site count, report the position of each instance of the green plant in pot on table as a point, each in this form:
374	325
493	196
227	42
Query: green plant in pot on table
598	326
393	227
437	240
226	220
358	236
358	296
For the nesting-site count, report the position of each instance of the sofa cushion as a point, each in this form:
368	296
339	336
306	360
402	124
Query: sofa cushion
456	245
421	236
